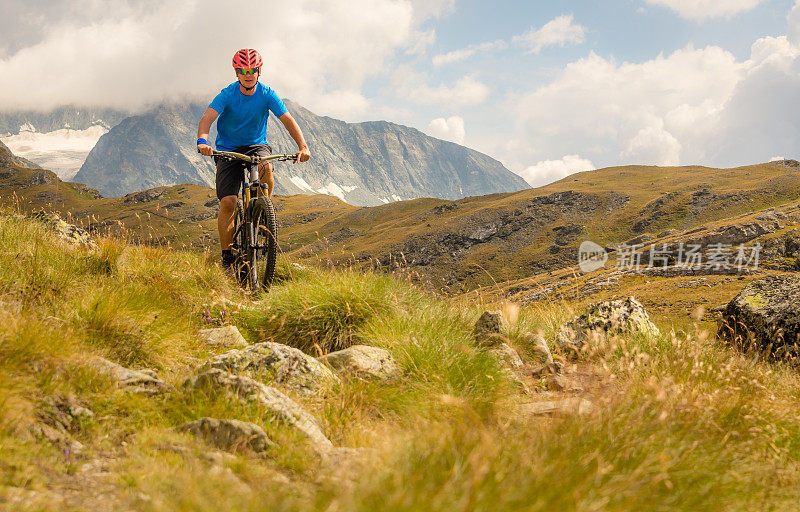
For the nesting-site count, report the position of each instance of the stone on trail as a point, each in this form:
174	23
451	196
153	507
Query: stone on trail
610	317
765	316
228	336
278	404
273	362
364	361
135	381
507	356
230	435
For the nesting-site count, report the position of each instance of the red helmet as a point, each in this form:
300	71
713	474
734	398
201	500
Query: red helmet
247	58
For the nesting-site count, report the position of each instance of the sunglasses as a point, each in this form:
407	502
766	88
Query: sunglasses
252	71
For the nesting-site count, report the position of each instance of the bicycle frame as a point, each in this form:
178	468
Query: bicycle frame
250	185
248	251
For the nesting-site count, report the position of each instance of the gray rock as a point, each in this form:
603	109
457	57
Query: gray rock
488	325
227	336
145	196
507	356
273	362
765	316
610	317
791	245
43	177
57	418
365	361
230	435
579	406
540	348
135	381
69	233
734	234
276	403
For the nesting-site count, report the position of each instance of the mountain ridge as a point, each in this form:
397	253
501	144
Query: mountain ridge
365	163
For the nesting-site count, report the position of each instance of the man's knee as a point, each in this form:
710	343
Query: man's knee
265	171
227	204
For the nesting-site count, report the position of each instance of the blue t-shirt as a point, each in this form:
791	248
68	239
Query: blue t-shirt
243	119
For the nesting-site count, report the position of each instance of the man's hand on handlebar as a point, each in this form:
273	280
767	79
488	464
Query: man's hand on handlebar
205	149
303	155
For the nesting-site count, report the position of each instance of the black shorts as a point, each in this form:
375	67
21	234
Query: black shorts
230	173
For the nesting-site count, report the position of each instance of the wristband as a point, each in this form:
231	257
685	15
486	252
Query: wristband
202	141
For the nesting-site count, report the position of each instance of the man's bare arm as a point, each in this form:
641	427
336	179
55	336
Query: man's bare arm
291	126
209	116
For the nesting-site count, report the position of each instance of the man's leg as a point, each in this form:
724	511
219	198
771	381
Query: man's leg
265	175
227	209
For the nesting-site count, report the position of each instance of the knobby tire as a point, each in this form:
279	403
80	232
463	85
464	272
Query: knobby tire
238	243
265	230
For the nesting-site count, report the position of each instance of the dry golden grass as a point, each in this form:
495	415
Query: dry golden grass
680	422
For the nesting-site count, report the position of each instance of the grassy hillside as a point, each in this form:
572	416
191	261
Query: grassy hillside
453	246
679	421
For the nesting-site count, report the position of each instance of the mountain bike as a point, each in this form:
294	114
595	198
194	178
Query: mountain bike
255	225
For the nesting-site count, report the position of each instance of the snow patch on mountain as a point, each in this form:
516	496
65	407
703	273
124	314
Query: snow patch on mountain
332	189
62	151
301	183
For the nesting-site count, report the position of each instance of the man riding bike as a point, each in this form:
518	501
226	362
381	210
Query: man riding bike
243	108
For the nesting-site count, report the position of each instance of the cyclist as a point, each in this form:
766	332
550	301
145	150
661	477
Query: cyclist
243	108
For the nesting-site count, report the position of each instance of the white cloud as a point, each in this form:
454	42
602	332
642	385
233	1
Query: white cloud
466	91
451	129
319	53
469	51
559	31
761	117
700	10
657	111
425	9
654	145
793	18
777	159
420	41
548	171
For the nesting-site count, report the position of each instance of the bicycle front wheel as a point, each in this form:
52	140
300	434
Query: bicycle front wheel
239	244
265	243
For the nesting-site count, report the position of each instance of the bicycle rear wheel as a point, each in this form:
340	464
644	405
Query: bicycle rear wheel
265	243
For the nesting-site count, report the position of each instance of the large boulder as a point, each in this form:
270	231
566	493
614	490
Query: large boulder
276	403
276	363
230	435
609	317
765	316
364	361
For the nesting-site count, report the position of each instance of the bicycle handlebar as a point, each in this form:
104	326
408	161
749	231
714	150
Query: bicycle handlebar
253	159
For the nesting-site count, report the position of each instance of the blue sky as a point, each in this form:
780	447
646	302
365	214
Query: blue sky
548	88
